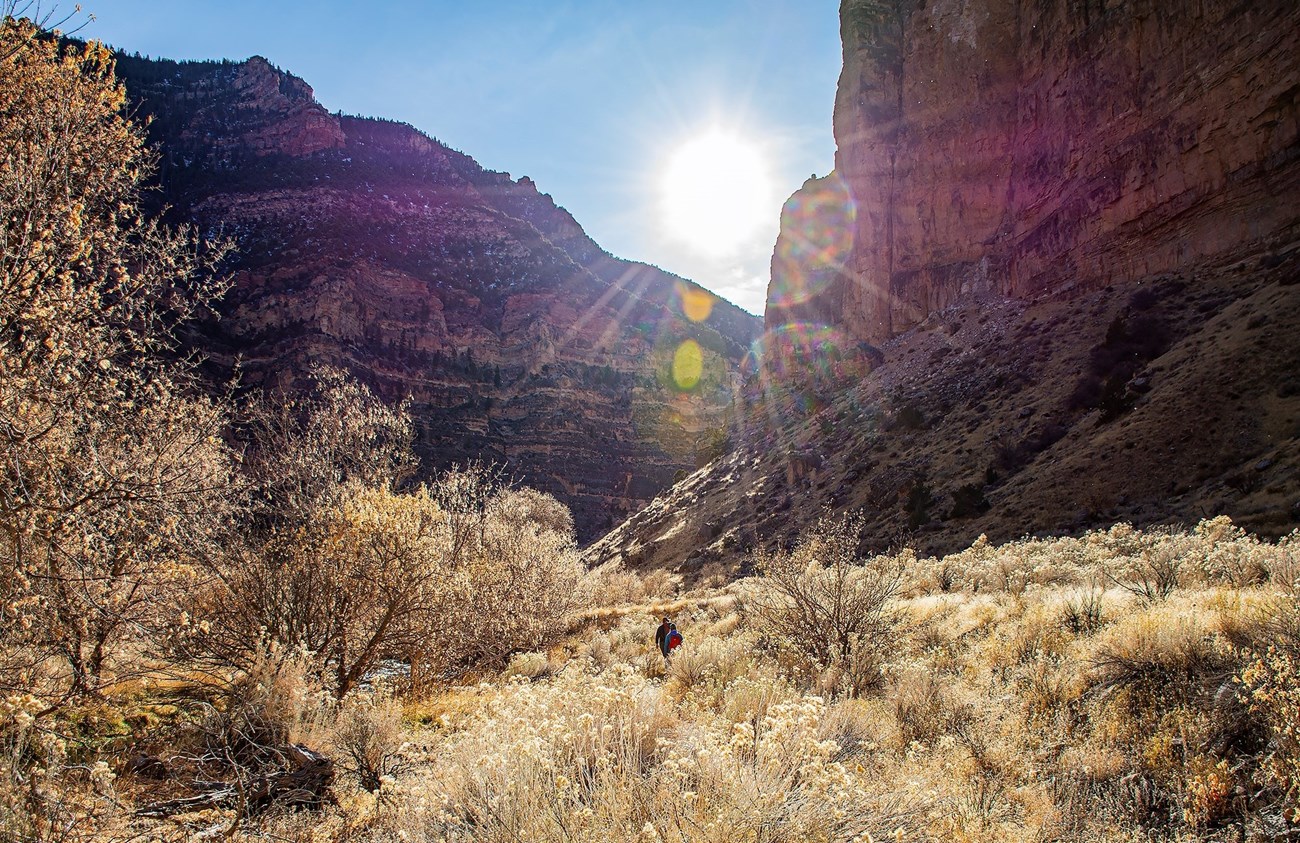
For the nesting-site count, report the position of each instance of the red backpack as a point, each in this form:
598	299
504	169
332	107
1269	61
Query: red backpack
674	640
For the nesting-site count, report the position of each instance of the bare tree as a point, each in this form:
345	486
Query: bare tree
307	447
43	17
113	477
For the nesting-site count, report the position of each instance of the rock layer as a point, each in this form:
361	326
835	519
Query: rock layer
1026	148
364	243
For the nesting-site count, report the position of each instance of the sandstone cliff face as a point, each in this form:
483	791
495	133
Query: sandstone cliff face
1025	148
1053	283
366	244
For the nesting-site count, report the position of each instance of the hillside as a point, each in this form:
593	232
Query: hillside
1001	695
366	244
1159	404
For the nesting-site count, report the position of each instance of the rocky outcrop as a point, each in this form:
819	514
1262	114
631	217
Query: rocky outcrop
298	126
366	244
1028	148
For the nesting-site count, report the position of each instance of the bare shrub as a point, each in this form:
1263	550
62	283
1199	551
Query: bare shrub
350	587
338	564
825	601
506	582
615	585
920	706
274	703
1083	612
245	756
661	584
330	561
367	740
306	448
376	574
1151	575
1160	653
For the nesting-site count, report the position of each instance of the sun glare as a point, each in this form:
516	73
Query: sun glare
716	192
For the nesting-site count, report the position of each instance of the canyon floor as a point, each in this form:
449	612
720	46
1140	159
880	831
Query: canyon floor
1122	686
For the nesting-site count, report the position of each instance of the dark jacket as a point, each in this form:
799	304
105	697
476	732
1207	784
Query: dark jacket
661	638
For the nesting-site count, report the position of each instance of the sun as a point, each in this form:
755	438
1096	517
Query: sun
716	192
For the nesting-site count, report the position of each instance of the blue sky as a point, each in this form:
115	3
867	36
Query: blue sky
590	98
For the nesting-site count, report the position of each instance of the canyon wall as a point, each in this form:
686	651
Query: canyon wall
365	244
1028	147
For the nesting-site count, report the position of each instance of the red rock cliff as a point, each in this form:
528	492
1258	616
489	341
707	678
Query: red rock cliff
1035	146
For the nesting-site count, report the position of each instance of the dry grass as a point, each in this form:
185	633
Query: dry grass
1028	707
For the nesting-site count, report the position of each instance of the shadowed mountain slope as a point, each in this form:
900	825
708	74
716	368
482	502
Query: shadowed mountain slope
366	244
1164	403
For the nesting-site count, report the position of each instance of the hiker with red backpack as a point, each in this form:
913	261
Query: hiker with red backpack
667	638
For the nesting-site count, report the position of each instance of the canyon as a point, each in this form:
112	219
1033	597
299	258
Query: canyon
1050	284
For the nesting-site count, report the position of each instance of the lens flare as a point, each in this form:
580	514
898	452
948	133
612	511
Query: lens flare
806	348
817	225
795	371
688	364
697	303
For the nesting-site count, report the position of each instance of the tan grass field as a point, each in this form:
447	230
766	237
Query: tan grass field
1040	690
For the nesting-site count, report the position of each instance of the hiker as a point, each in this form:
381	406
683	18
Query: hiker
673	641
661	636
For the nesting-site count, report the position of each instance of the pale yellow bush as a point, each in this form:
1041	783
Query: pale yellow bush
448	577
712	660
1150	562
920	704
367	740
531	665
506	583
1284	564
615	585
749	698
1270	684
1166	650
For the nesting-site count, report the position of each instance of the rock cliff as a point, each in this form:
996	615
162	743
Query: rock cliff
1026	148
1053	282
366	244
